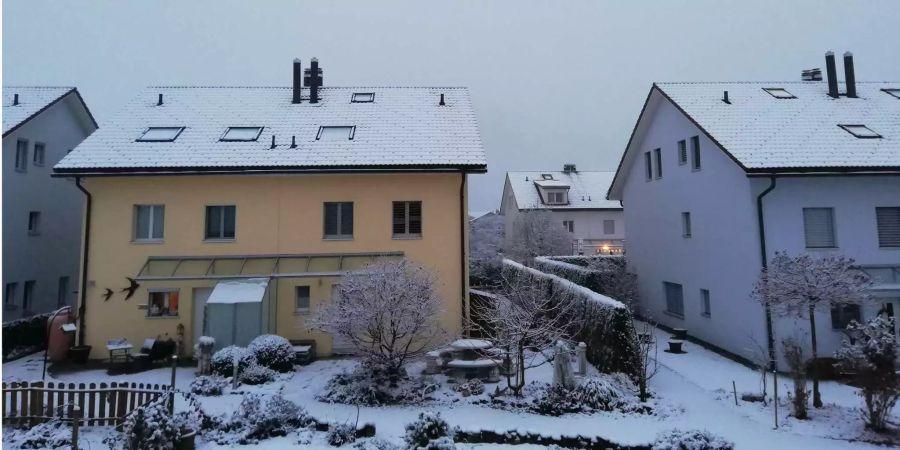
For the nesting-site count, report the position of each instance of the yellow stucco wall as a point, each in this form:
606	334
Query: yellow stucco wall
279	214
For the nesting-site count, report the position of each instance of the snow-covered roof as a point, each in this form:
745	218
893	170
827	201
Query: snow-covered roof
246	290
32	100
404	128
763	132
587	189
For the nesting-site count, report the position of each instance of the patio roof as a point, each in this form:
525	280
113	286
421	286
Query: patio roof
247	266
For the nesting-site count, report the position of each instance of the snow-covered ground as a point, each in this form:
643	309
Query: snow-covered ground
694	390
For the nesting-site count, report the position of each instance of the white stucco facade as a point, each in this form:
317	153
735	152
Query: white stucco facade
47	258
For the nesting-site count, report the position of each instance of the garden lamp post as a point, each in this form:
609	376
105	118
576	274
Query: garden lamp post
66	328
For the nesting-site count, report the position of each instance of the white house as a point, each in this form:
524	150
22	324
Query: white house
717	177
41	215
576	198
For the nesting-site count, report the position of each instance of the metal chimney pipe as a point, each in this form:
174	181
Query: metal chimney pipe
849	75
831	71
314	81
725	98
298	80
159	102
15	100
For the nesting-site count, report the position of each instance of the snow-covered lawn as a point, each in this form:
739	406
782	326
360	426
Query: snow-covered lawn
693	392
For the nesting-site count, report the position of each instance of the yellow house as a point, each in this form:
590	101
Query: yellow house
234	211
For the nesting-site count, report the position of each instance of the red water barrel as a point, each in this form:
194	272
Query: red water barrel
58	346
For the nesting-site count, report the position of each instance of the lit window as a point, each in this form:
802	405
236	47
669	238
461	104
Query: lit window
160	134
241	134
335	133
162	302
301	302
363	97
860	131
779	93
895	92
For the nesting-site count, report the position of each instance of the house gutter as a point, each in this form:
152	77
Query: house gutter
82	308
463	261
770	334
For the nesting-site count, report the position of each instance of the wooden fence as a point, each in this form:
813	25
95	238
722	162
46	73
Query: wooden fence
101	404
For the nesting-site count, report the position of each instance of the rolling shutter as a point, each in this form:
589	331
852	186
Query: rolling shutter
888	226
818	226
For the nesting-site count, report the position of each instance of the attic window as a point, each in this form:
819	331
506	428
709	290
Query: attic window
779	93
894	92
362	97
160	134
332	133
861	131
546	176
241	134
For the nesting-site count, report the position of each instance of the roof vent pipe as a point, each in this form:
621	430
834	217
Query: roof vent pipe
441	103
15	100
314	80
273	141
831	72
159	102
725	98
293	141
298	80
849	75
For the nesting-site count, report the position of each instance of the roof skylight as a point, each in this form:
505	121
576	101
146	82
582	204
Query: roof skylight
335	133
241	134
779	93
894	92
362	97
160	134
547	176
860	131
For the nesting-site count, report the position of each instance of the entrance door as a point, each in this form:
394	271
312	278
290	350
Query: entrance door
200	297
340	345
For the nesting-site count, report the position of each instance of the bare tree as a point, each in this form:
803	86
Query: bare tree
388	312
802	284
537	233
759	357
527	320
793	354
648	364
485	247
871	354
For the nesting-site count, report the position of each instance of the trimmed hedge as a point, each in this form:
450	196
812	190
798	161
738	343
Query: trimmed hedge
24	336
575	269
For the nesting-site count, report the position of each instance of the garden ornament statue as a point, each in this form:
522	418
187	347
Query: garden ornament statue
581	356
562	367
204	354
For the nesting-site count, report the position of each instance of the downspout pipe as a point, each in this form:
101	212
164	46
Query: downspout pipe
463	260
82	307
770	333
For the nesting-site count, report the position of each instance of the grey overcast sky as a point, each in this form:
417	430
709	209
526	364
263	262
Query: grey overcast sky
552	81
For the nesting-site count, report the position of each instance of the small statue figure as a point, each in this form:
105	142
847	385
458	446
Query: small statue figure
204	350
562	367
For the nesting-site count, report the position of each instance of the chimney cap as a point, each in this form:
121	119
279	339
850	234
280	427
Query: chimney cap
846	54
296	60
829	53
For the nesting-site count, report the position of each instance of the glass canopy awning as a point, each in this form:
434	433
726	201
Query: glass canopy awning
244	266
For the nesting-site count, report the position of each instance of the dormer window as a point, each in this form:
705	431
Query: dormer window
779	93
160	134
362	97
335	133
556	197
860	131
241	134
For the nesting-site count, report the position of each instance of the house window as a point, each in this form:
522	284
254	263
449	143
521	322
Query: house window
241	134
362	97
301	299
657	153
861	131
546	176
818	226
28	297
682	152
893	92
162	303
686	224
341	133
841	315
779	93
648	166
407	219
674	298
149	222
9	295
220	222
569	225
695	152
160	134
21	155
338	220
34	223
609	226
62	294
704	303
888	219
556	198
40	151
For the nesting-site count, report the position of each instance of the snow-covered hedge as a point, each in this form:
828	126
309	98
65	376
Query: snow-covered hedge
604	324
370	387
608	393
690	440
273	351
606	275
222	362
257	374
208	385
24	336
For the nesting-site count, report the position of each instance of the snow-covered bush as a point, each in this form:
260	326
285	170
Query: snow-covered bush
257	374
150	427
273	351
690	440
442	443
872	356
341	434
208	385
375	444
428	428
253	421
471	387
222	362
53	434
370	386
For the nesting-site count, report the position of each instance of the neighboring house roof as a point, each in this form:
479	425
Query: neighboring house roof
32	101
404	128
764	134
587	189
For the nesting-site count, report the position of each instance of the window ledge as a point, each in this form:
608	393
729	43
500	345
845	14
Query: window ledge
337	238
219	241
707	315
146	241
301	312
821	249
675	315
160	317
406	237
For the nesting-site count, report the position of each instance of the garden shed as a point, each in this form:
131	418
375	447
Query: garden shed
235	311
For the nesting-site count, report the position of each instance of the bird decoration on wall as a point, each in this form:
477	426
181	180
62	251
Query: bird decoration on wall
131	288
107	294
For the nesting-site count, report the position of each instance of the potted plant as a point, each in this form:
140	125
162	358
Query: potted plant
79	353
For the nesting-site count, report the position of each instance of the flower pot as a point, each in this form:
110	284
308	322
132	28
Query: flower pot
675	346
679	333
186	441
79	353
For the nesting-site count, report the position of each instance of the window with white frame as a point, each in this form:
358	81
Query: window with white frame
406	219
569	225
34	222
160	134
40	151
21	155
674	298
861	131
336	133
657	153
609	226
162	303
695	153
149	222
780	93
362	97
301	299
220	222
686	224
704	303
682	152
556	197
338	220
241	134
818	227
888	221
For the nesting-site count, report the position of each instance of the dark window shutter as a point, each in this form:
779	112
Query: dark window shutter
888	220
399	218
347	219
331	219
